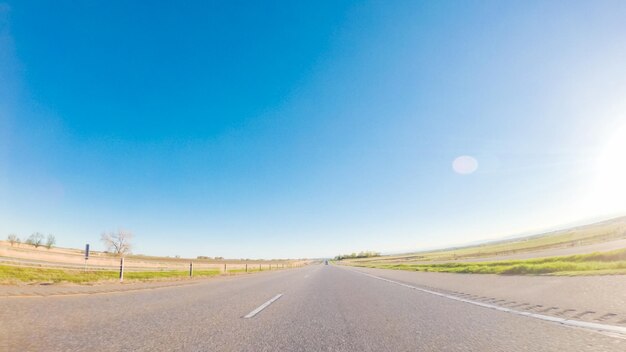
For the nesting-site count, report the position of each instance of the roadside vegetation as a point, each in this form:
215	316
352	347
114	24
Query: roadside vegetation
609	230
118	243
14	274
48	267
366	254
601	263
35	240
13	240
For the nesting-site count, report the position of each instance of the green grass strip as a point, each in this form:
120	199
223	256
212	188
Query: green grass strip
600	263
14	274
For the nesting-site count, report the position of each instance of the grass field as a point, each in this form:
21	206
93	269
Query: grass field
10	274
613	262
66	265
604	231
23	263
15	274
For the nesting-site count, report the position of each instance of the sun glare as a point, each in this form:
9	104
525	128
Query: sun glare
610	185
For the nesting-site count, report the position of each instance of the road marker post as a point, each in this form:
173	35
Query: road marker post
86	256
190	269
246	267
224	268
122	269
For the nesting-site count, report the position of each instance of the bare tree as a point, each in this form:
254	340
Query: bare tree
13	239
117	242
35	239
50	241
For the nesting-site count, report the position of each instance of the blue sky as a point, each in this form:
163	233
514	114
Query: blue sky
305	129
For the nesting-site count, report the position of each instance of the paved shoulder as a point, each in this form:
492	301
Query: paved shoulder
594	299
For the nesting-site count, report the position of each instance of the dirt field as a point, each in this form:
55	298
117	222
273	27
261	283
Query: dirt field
27	255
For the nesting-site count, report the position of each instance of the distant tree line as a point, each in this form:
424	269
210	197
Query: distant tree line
118	243
36	239
366	254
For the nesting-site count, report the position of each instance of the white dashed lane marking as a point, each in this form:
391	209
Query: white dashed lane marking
262	306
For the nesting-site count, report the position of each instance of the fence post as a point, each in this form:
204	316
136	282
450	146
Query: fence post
246	267
190	269
122	269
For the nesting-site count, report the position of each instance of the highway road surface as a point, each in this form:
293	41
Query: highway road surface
315	308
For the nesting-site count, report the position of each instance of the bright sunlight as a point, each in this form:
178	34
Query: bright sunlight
610	186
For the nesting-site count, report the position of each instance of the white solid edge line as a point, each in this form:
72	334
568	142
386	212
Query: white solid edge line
262	306
563	321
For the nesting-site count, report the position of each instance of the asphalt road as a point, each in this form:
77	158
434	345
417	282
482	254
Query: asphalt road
322	308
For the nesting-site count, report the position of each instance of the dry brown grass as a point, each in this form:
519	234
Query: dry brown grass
26	255
604	231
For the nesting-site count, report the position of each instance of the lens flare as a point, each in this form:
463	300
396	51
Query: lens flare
465	165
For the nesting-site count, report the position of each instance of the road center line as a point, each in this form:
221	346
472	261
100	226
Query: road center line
563	321
263	306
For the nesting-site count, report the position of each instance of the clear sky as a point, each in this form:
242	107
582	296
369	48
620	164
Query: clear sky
306	129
